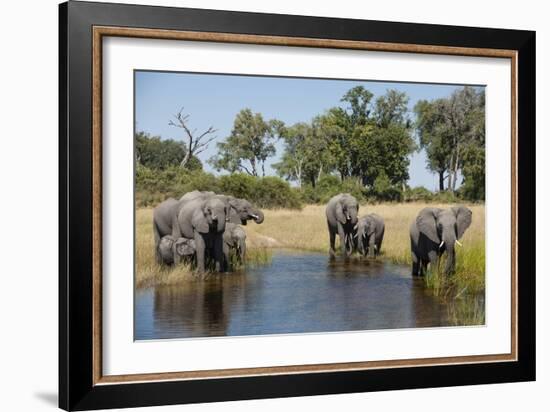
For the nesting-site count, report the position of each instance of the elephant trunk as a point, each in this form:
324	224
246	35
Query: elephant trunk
449	245
220	224
352	217
258	216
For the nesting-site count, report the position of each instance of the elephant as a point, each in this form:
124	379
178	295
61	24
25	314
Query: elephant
168	246
202	219
234	238
370	233
434	232
342	211
241	210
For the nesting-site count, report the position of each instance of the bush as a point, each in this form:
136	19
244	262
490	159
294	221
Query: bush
445	197
418	194
273	192
384	190
239	185
154	185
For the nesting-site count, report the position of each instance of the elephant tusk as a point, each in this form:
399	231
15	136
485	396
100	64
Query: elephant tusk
254	216
355	235
458	243
355	227
441	244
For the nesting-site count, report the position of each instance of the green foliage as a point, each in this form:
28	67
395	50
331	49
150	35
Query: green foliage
417	194
452	131
306	154
384	189
273	192
156	153
250	144
154	186
239	185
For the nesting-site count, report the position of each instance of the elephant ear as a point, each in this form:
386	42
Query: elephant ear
370	225
463	219
426	221
339	208
200	224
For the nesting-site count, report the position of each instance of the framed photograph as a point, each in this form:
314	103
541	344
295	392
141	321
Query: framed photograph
256	205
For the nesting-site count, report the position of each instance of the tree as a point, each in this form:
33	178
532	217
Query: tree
251	143
156	153
368	139
452	130
196	143
306	154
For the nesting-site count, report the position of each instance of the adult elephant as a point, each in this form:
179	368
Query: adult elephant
342	211
370	233
200	219
434	232
240	210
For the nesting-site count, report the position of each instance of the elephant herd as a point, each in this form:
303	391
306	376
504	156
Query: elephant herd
202	228
434	231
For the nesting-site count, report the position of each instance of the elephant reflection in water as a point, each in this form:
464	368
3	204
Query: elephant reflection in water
199	308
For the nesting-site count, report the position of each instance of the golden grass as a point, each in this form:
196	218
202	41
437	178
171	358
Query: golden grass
306	229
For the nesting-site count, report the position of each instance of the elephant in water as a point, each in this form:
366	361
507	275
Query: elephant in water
342	211
240	210
201	219
434	232
234	239
370	233
168	246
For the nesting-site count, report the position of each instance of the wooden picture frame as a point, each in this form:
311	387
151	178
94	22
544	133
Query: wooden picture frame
82	28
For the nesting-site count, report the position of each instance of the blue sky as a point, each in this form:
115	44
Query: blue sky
214	100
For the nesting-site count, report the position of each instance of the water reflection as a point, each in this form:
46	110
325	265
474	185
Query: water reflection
297	293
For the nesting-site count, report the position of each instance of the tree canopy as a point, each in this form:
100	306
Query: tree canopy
452	131
359	141
156	153
250	144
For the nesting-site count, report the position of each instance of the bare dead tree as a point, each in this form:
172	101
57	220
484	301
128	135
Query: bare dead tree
196	143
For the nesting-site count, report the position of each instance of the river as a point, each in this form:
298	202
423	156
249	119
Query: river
296	293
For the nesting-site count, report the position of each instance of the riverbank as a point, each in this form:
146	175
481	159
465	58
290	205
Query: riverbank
306	230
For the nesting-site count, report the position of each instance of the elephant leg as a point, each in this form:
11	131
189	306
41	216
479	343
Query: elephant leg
218	253
200	252
156	234
415	264
372	247
332	239
342	236
225	256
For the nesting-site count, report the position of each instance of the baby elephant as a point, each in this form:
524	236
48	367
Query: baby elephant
183	247
370	233
234	239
